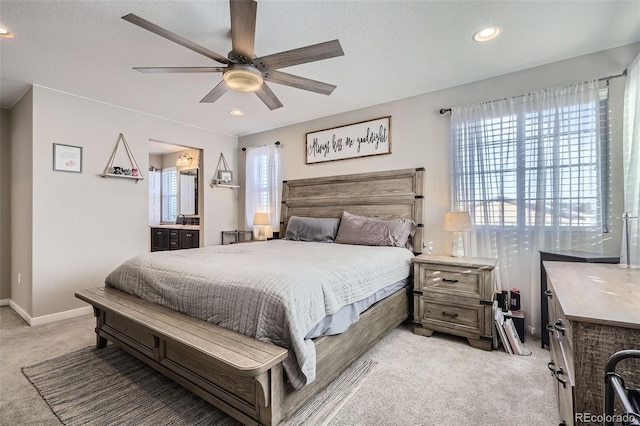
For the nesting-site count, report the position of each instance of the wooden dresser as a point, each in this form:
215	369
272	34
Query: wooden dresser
454	295
563	256
594	311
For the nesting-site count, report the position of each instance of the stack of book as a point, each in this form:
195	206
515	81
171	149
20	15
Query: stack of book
508	333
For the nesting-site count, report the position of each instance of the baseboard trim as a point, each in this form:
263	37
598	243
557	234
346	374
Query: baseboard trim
4	302
46	319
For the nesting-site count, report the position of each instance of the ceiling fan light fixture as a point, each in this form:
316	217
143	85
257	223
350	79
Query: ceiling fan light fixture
486	34
243	78
5	33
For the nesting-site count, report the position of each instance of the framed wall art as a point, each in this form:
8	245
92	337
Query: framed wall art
67	158
225	176
361	139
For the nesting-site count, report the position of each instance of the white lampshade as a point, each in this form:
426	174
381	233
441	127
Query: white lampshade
261	219
457	221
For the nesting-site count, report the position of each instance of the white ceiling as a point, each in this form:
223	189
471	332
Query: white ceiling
393	50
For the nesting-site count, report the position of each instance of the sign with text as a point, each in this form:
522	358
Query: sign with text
363	139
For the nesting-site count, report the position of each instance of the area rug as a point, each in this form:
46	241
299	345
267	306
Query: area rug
109	386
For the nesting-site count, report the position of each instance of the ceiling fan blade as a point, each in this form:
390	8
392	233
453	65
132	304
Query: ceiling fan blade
143	23
159	70
243	27
268	97
303	83
302	55
215	93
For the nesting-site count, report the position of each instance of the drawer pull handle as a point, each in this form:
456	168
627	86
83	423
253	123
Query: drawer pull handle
558	326
449	314
550	366
564	382
447	280
548	293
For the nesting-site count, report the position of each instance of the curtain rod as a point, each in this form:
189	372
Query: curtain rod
622	74
276	143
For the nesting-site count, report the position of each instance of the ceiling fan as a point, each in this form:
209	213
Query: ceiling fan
244	72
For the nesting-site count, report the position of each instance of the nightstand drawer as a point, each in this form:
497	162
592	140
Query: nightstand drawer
442	280
468	318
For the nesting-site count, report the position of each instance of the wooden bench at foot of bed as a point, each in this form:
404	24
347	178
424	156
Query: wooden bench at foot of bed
238	374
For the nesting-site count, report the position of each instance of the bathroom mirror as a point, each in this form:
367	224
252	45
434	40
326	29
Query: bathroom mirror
188	184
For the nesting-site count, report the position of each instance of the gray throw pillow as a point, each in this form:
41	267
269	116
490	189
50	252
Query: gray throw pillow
369	231
317	229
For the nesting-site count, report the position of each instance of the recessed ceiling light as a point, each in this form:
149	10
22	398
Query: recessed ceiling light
5	33
236	112
487	34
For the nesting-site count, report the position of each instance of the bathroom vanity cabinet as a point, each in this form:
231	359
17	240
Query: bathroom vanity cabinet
175	238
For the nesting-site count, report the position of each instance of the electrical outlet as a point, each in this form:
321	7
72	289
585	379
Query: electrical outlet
18	277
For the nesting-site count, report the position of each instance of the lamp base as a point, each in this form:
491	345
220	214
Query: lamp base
457	246
260	232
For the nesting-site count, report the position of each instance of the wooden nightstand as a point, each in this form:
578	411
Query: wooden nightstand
454	295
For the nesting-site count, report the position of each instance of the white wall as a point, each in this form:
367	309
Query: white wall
420	138
5	205
85	225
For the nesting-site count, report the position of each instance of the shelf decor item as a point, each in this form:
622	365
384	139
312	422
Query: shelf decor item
67	158
223	175
132	172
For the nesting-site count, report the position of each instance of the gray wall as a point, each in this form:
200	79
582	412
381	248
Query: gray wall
22	203
71	229
5	205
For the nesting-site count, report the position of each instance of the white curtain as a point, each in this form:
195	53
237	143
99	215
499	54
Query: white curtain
631	158
263	184
528	169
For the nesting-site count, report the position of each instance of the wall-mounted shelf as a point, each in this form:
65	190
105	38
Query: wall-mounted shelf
223	176
111	175
134	165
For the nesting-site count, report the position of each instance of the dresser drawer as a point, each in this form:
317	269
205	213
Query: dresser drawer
563	329
563	381
452	281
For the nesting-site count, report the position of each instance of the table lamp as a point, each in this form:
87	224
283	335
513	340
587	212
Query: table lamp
261	220
457	222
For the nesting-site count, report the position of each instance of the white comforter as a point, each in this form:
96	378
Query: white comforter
275	291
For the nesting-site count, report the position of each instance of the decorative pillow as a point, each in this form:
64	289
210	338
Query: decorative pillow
369	231
316	229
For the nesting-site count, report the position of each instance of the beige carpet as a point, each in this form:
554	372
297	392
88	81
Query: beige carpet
437	380
108	387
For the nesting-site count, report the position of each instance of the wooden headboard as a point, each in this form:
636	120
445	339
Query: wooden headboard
388	194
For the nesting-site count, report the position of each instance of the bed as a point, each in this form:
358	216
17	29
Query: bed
242	375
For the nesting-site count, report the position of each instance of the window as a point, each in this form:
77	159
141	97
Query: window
263	183
534	163
169	194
